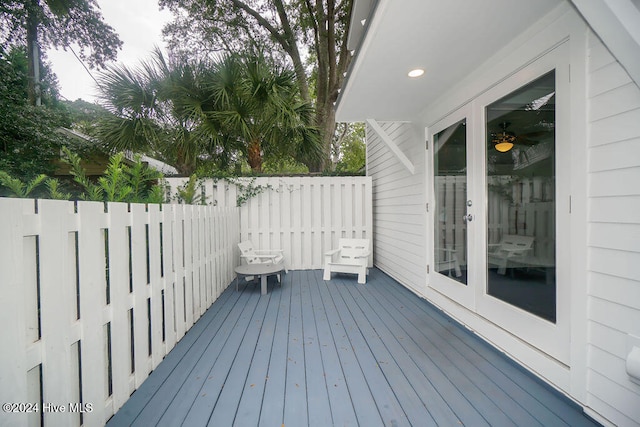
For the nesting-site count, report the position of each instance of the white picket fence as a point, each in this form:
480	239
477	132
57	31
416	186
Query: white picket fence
303	216
93	296
524	207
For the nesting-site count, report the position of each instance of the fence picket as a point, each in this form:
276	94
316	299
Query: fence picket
303	216
120	302
132	262
86	338
95	369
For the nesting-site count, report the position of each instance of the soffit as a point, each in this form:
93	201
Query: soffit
448	39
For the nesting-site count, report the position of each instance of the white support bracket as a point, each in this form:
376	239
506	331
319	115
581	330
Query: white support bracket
392	146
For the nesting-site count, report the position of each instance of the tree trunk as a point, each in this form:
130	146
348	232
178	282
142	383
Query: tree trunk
254	155
33	52
183	166
333	59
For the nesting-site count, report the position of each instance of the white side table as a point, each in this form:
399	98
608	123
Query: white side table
261	270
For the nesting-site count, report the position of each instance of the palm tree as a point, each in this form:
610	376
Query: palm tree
208	111
144	116
259	104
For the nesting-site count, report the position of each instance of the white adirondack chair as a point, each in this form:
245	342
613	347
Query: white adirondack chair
448	261
265	256
511	251
352	256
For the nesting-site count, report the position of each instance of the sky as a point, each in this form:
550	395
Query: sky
139	25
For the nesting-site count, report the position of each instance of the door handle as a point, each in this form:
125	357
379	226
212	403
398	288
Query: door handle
467	218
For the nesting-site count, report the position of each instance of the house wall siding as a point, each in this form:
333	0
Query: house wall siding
398	204
613	234
604	183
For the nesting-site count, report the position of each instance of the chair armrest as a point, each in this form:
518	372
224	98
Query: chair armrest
516	251
493	247
328	256
268	250
260	256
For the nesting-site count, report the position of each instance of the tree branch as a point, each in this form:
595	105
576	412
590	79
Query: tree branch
315	26
263	22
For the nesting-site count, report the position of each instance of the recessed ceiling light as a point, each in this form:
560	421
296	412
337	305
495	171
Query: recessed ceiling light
416	72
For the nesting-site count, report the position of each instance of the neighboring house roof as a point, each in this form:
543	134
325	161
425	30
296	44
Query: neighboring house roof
449	40
156	164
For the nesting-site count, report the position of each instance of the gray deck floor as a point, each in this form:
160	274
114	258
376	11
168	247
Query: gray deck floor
337	353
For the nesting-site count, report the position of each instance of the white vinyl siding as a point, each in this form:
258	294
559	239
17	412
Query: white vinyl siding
398	204
613	235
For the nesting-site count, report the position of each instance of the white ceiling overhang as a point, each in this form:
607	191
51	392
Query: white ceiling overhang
617	23
448	39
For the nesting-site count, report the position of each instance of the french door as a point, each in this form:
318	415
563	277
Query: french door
499	205
452	207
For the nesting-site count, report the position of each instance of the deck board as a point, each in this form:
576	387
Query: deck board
321	353
362	401
248	413
342	409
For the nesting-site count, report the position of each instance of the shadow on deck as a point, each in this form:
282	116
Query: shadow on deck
337	353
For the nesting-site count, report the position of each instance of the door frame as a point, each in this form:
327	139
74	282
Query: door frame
459	292
550	338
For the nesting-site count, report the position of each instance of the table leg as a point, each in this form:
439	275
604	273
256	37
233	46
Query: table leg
263	284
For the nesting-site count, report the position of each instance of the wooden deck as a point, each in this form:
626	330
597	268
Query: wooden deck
315	353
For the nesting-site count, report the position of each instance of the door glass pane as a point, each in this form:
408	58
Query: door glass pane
521	206
450	180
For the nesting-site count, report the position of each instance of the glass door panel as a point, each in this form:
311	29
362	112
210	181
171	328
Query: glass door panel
450	190
521	201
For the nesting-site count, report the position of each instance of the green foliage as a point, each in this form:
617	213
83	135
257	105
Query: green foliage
247	190
62	23
40	24
155	195
208	112
29	140
245	186
114	183
284	165
85	116
18	188
53	185
92	191
285	31
190	192
120	183
351	150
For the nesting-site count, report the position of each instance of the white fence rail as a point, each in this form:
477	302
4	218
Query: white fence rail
304	216
92	297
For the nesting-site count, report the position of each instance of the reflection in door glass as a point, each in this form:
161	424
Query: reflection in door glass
450	180
521	206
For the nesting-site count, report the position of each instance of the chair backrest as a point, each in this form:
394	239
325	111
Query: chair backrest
248	253
350	249
513	242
